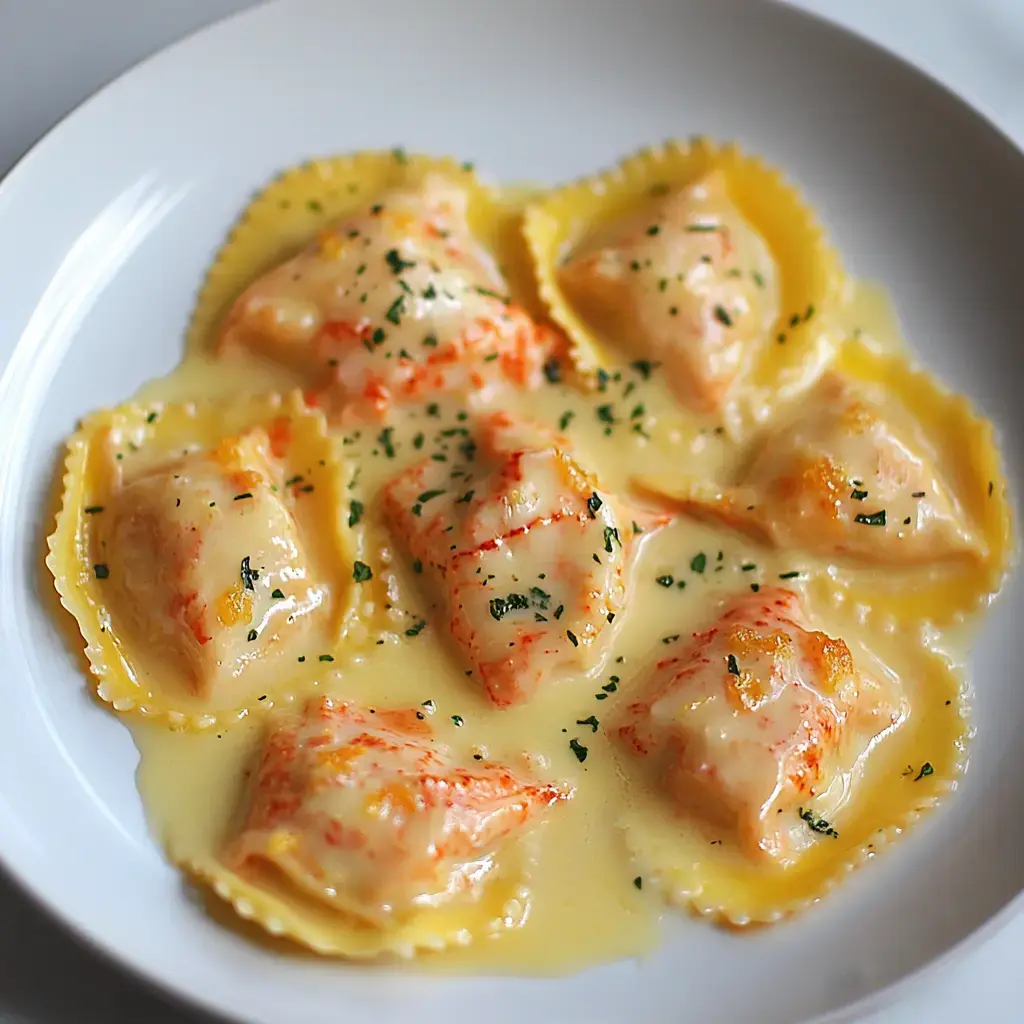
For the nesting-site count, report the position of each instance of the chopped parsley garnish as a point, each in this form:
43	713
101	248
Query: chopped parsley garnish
594	502
699	562
252	635
417	629
875	519
553	371
605	414
591	721
315	206
611	534
378	336
653	229
417	566
670	639
384	440
926	770
702	227
277	594
151	418
101	570
458	721
748	567
91	510
722	316
465	499
355	512
394	260
240	497
566	419
395	310
665	581
578	749
789	575
559	610
248	574
361	572
755	587
291	482
817	823
500	606
327	657
638	882
428	495
731	664
916	494
644	367
570	634
858	495
758	279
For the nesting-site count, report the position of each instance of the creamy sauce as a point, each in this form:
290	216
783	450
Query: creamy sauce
603	862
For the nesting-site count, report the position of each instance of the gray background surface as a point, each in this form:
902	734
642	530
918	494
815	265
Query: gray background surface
54	53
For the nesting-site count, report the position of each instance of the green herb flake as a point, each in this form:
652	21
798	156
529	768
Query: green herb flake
918	494
875	519
91	510
395	311
101	571
792	575
429	495
384	440
858	495
571	635
151	418
926	770
653	230
242	497
611	534
578	749
567	418
314	206
277	594
664	581
248	574
638	882
327	657
817	823
591	721
361	572
731	664
644	367
355	512
553	371
699	562
501	606
722	316
417	629
417	566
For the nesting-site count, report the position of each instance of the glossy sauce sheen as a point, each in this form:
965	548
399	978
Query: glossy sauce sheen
604	862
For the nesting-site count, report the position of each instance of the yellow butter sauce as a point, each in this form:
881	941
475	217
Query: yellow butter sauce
605	860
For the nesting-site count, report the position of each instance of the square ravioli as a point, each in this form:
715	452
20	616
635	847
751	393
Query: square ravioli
364	810
758	724
205	563
846	474
530	556
686	282
392	303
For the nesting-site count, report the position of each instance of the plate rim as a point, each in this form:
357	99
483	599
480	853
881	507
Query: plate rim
163	983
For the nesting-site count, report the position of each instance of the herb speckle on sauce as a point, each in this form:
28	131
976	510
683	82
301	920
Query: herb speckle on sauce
664	581
638	882
91	510
252	635
569	633
242	497
590	720
355	512
789	575
277	594
732	665
816	823
722	316
578	749
699	562
327	657
361	572
417	629
926	770
248	574
101	571
594	502
874	519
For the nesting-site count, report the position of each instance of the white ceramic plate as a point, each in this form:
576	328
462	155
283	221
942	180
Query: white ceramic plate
105	231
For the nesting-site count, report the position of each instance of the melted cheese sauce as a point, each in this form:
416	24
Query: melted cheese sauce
603	862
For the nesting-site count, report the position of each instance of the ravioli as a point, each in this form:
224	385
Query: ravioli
364	812
756	725
393	302
197	556
530	555
694	257
846	476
